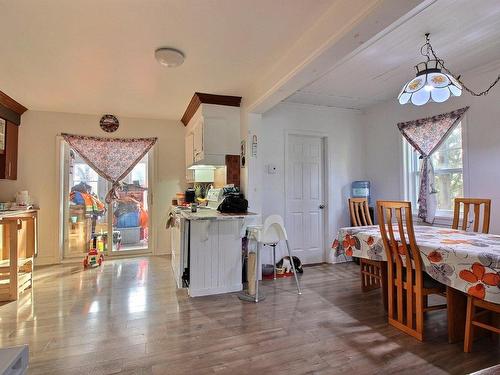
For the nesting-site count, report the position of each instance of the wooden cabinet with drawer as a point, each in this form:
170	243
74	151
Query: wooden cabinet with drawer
8	153
10	120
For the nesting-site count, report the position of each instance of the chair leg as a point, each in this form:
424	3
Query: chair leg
274	261
383	283
469	328
293	267
363	277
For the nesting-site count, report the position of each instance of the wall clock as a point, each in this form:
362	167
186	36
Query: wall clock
109	123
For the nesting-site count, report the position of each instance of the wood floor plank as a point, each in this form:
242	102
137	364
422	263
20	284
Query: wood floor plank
128	317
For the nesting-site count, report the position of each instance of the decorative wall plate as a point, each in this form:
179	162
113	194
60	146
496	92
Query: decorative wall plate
109	123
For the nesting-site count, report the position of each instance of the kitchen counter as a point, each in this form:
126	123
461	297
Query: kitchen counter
209	214
7	214
207	249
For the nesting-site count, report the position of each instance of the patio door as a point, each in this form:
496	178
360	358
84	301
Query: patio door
122	227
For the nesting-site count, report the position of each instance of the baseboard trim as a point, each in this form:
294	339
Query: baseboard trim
209	291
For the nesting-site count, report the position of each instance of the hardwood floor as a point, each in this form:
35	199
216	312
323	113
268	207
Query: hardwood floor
127	317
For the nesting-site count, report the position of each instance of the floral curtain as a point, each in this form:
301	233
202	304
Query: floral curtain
426	135
111	158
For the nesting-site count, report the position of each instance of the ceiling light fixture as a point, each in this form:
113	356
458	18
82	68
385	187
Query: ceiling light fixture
434	82
169	57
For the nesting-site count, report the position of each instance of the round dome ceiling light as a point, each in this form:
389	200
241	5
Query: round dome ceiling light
169	57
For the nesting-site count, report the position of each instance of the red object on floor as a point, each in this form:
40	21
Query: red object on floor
278	276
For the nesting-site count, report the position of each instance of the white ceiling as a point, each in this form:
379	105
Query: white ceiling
95	56
465	33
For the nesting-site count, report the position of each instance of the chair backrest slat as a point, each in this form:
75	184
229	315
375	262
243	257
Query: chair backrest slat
476	206
360	213
406	245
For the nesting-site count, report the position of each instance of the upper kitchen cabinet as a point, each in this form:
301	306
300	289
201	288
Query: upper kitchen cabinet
189	148
213	128
10	120
197	133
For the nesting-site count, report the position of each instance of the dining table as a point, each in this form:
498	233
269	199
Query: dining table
468	263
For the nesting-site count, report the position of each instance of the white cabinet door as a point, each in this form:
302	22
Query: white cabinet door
198	141
215	257
175	240
189	149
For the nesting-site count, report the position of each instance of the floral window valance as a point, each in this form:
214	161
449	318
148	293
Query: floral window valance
111	158
426	135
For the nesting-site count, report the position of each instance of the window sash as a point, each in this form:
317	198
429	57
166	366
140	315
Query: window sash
411	172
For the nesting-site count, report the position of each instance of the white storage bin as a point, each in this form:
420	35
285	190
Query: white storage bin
130	236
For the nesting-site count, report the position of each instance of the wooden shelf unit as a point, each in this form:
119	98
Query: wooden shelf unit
19	247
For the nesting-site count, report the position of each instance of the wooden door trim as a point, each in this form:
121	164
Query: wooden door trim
326	168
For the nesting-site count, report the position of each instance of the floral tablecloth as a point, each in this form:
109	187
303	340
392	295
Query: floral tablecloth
466	261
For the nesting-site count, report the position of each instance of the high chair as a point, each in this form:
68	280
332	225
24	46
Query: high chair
270	234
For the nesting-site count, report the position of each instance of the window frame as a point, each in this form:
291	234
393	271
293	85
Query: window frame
410	175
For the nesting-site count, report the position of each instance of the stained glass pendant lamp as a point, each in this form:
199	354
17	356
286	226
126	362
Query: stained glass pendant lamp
435	82
430	84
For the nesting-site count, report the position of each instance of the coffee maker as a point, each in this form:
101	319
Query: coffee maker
190	195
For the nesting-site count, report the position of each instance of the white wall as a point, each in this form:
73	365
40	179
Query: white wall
383	158
344	130
37	168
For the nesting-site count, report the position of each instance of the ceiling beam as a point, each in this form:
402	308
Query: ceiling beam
346	28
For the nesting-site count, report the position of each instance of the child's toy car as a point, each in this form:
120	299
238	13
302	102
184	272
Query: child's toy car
93	258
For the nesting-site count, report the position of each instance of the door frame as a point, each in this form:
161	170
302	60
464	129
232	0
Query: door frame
326	168
62	198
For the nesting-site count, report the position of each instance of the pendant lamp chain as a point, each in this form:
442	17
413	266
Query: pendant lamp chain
430	51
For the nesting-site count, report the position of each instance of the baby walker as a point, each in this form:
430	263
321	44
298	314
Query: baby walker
94	257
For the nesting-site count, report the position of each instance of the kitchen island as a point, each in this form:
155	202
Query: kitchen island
210	245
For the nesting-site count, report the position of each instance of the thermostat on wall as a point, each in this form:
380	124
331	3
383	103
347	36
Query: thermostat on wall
272	169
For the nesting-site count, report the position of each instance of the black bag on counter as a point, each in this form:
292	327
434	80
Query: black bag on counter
233	203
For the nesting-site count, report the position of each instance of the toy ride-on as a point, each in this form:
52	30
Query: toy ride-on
94	257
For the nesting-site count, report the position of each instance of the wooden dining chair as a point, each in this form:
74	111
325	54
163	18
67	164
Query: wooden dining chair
372	271
476	204
360	213
472	319
408	286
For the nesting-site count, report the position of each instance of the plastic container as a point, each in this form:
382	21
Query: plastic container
180	198
130	236
267	269
361	189
128	220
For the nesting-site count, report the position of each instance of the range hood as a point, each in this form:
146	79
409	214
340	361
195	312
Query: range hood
209	161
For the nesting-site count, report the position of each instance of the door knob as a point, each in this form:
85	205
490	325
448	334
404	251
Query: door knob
321	206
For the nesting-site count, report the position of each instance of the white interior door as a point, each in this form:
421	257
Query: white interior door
305	197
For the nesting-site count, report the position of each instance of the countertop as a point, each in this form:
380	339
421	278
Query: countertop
208	214
16	213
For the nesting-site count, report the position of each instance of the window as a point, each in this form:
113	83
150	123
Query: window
448	170
84	174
